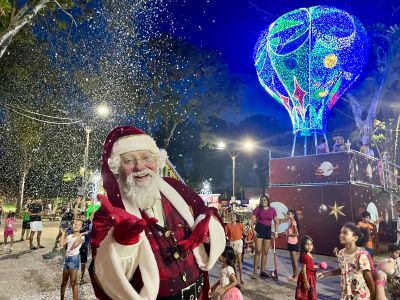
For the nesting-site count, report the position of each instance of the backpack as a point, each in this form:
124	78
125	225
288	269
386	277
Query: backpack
371	261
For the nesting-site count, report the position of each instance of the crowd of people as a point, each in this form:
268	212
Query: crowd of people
360	276
355	260
154	238
340	145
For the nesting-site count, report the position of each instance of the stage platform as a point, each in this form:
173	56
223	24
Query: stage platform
328	190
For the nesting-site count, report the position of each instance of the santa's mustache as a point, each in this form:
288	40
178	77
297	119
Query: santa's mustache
130	179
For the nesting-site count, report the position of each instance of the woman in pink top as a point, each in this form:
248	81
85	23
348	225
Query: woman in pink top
262	219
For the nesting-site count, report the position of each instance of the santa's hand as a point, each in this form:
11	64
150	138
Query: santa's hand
199	235
127	227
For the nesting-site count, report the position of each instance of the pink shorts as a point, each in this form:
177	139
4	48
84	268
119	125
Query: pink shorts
8	233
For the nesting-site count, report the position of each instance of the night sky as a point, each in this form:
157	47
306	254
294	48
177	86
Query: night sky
232	28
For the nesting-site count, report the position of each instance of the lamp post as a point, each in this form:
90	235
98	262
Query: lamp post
102	110
248	146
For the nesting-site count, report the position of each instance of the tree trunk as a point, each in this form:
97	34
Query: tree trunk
18	24
20	200
167	140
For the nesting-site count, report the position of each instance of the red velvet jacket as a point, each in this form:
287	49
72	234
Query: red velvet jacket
170	269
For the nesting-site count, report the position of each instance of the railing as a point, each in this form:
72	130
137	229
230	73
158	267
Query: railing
391	176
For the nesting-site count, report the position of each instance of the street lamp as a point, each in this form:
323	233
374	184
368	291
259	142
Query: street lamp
102	110
247	145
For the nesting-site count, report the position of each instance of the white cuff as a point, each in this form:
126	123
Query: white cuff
127	251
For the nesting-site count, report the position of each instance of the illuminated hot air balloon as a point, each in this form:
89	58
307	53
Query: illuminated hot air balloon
307	59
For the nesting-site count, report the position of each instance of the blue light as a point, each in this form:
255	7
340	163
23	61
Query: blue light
307	59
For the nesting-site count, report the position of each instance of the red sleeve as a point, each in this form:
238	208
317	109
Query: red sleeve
305	259
274	214
101	225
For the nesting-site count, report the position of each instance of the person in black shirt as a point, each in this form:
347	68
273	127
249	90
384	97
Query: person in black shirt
35	212
83	251
66	222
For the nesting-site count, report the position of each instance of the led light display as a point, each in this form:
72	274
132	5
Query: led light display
307	59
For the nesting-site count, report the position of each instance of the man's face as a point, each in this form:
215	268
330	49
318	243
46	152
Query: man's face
138	164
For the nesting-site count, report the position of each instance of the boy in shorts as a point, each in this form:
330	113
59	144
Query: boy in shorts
234	232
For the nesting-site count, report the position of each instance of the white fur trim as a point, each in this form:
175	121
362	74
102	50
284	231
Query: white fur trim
114	272
216	231
177	201
217	242
137	142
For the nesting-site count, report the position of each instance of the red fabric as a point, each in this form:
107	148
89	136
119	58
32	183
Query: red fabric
301	292
102	223
171	269
127	227
199	234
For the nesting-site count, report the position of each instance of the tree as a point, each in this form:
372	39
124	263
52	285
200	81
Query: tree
31	149
188	83
27	137
382	82
15	15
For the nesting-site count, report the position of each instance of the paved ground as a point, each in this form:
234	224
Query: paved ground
26	275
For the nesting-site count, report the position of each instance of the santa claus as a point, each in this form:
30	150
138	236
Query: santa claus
153	237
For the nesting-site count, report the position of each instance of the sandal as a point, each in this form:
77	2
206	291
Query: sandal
33	248
265	275
254	276
41	247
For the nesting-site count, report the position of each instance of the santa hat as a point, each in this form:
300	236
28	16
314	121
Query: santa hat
120	140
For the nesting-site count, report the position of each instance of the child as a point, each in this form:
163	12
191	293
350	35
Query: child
72	258
225	288
234	232
393	281
9	228
83	251
249	240
356	265
292	240
306	282
372	243
26	223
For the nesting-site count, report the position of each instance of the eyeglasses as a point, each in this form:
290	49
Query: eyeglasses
133	161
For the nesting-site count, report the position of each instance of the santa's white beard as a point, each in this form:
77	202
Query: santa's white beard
143	195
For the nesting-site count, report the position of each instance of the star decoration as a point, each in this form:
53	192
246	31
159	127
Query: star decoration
336	211
291	168
299	93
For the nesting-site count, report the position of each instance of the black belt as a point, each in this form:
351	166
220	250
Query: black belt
191	292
